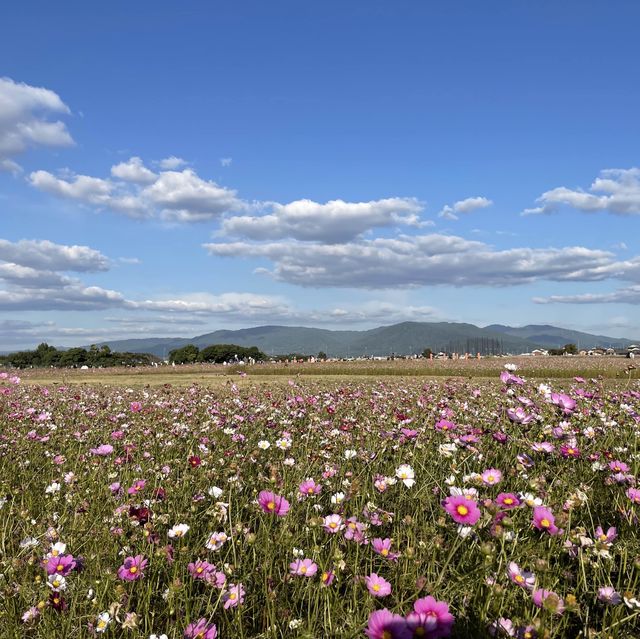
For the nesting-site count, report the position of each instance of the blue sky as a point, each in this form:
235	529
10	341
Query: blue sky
174	168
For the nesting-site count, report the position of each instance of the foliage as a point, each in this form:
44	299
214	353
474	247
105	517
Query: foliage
96	357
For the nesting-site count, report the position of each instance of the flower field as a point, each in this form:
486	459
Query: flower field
315	509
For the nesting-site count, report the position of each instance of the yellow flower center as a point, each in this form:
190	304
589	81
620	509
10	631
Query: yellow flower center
384	552
310	491
199	569
545	523
376	587
232	595
271	505
133	570
508	501
333	525
519	578
303	569
462	510
59	567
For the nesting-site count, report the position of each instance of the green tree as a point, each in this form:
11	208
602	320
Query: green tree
185	355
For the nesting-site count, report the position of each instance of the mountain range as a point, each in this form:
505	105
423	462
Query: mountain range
402	339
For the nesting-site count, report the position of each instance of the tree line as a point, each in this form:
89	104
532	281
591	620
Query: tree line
216	353
46	356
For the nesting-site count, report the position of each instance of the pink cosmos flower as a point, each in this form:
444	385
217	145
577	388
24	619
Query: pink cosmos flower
492	476
201	569
549	600
327	577
309	487
507	501
430	619
135	407
519	416
607	537
102	451
234	596
543	519
136	487
563	401
634	495
355	530
333	524
383	547
462	509
521	577
377	586
132	568
273	504
201	629
618	466
384	624
609	595
303	568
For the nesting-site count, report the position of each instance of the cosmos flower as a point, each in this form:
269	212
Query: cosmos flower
430	618
387	625
462	509
544	520
377	586
303	567
405	473
177	531
132	568
333	524
273	504
201	629
521	577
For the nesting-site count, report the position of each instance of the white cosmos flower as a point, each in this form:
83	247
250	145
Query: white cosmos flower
216	540
215	492
405	473
104	618
56	582
54	487
177	531
263	444
337	498
350	453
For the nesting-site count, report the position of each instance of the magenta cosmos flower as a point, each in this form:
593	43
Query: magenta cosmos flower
507	501
383	547
233	596
201	629
273	504
543	519
430	619
309	487
377	586
60	565
201	569
132	568
462	509
384	624
634	495
136	487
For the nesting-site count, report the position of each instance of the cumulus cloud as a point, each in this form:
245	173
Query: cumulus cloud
43	254
628	295
614	191
24	121
334	222
412	261
172	163
450	212
133	170
136	191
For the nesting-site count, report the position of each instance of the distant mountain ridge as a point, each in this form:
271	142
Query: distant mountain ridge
405	338
554	337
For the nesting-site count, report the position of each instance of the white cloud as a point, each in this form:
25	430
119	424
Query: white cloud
133	170
172	163
335	221
467	205
628	295
185	197
72	297
226	161
614	191
414	261
46	255
24	110
137	192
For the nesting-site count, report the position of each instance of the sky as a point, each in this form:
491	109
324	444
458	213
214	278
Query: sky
169	169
